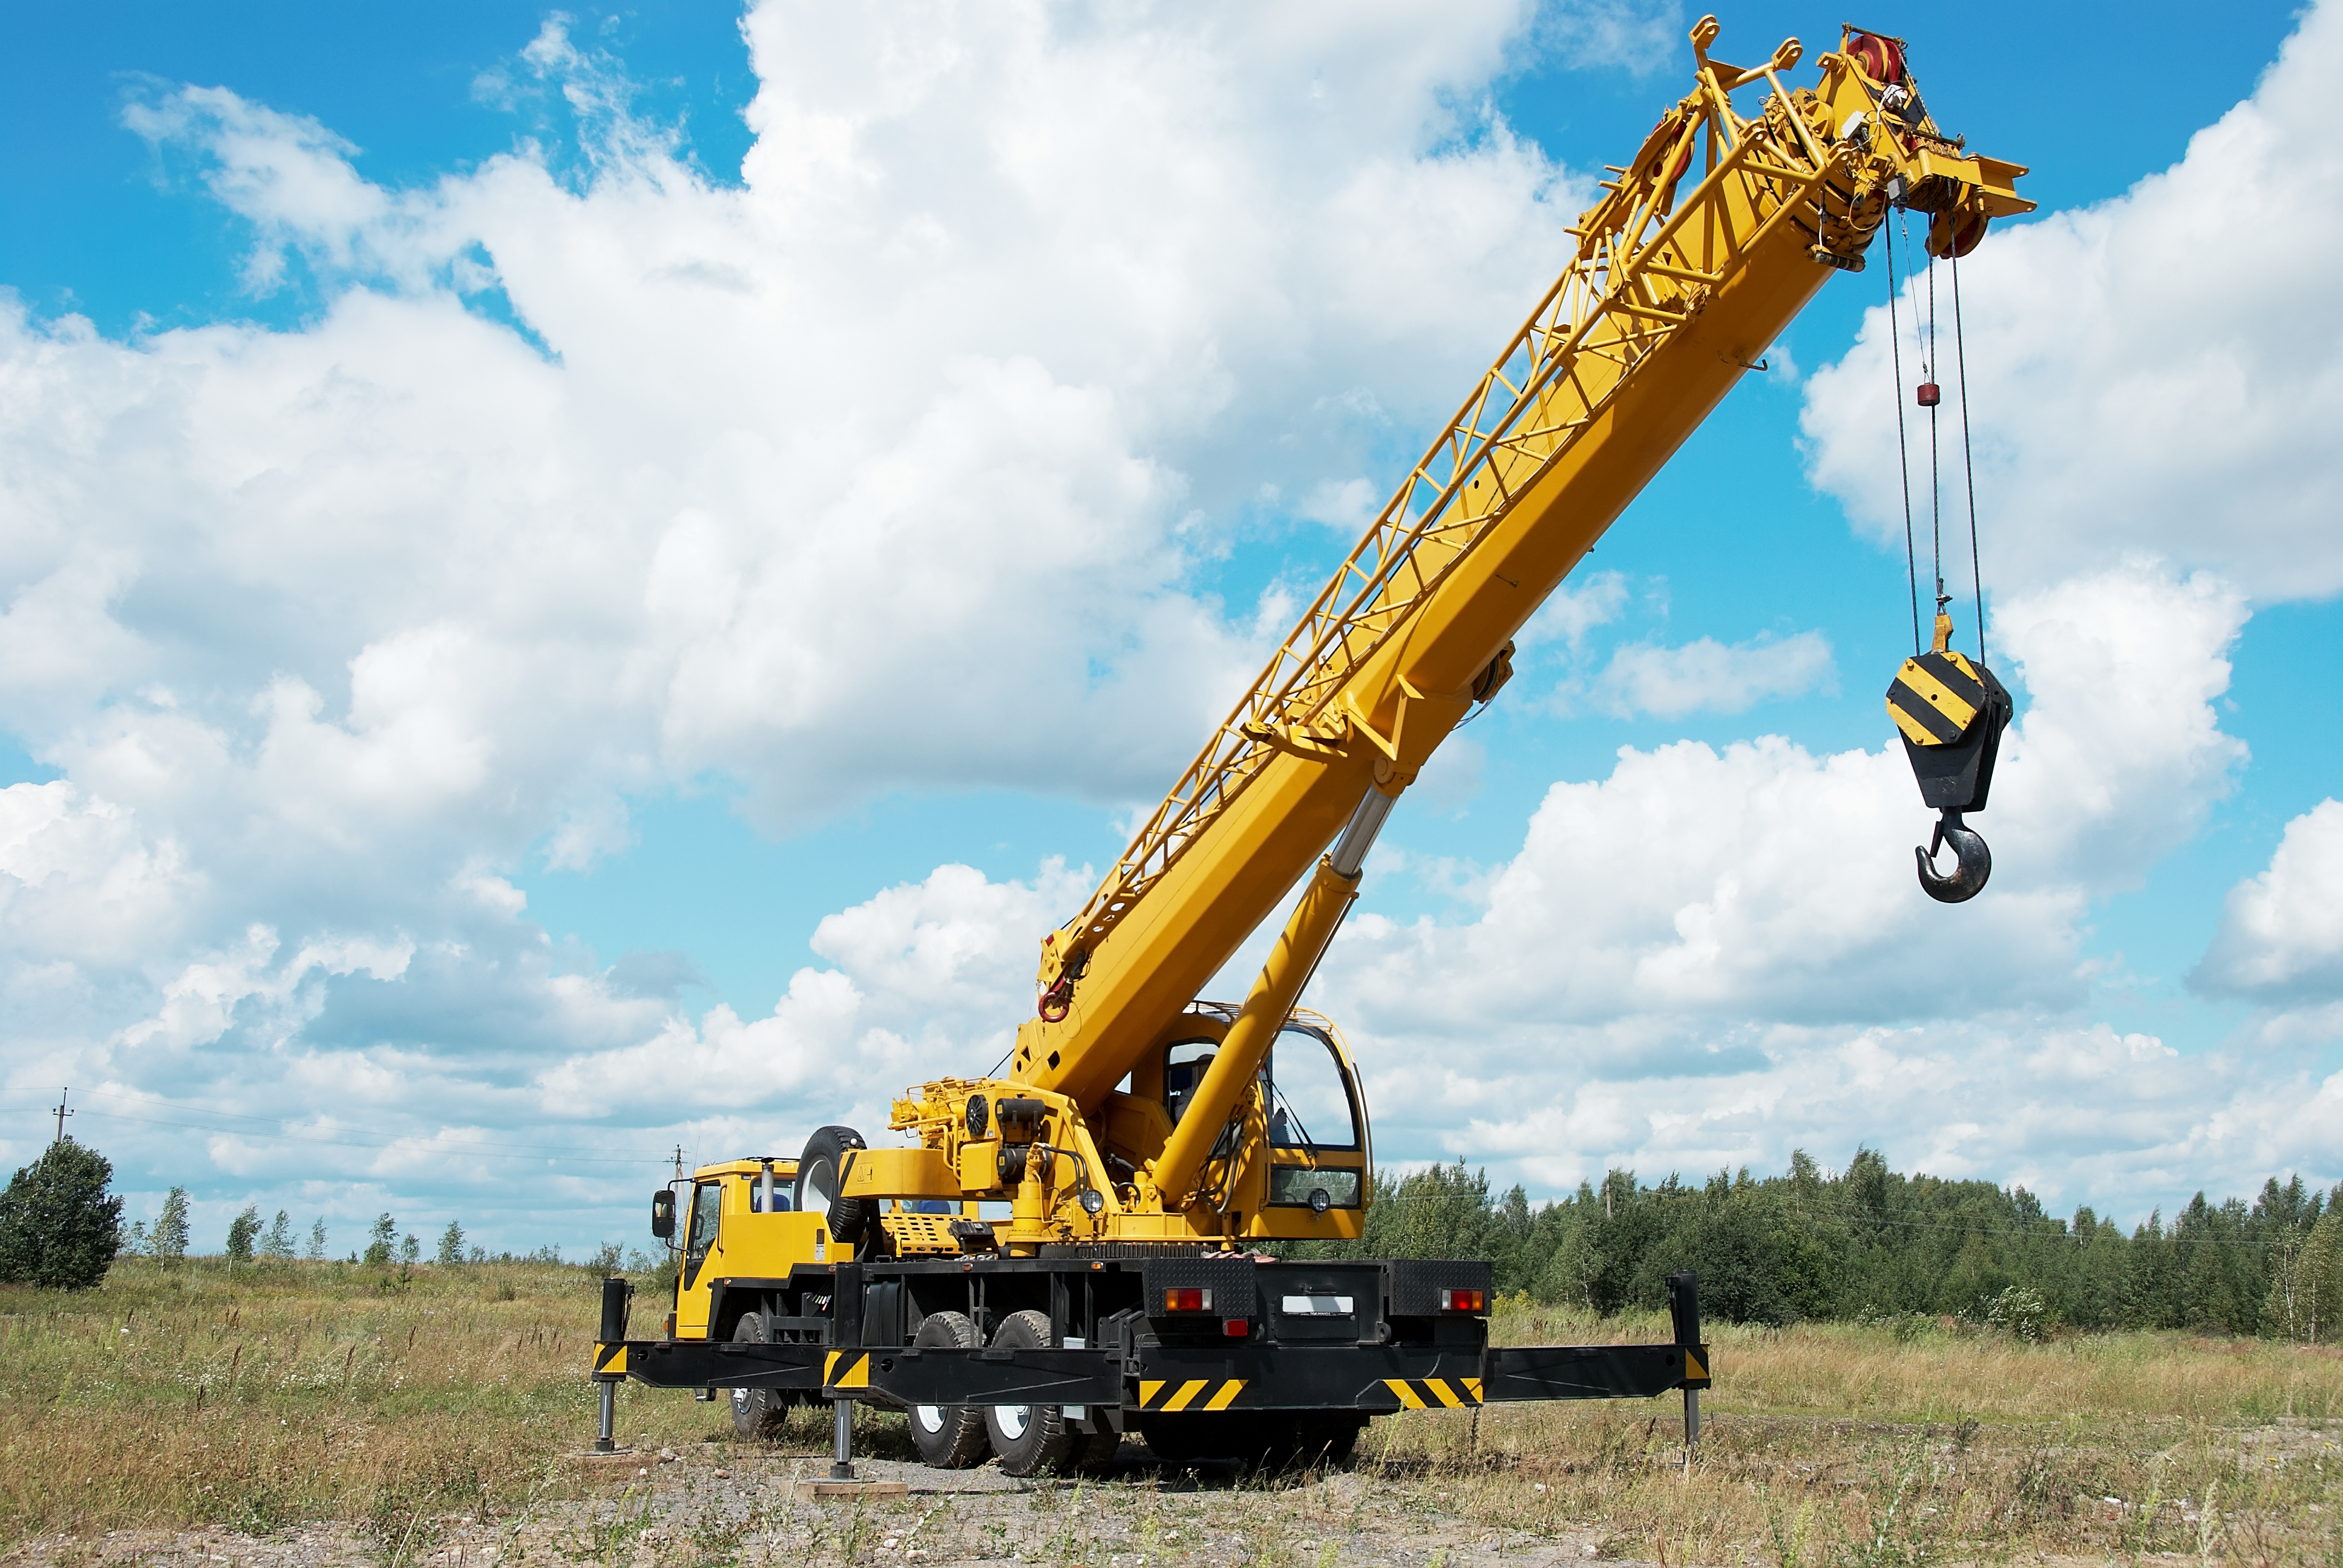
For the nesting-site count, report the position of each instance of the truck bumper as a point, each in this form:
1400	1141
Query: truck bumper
1375	1379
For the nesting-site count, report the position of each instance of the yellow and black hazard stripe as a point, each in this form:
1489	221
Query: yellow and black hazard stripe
610	1358
846	1369
1191	1394
1935	699
1434	1392
1695	1370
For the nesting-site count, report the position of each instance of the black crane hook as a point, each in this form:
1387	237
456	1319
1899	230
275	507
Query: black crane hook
1974	862
1951	713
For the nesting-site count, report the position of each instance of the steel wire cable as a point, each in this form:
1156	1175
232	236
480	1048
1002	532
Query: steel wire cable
1903	454
1968	462
1935	486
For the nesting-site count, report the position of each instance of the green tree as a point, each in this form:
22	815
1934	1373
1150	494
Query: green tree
451	1243
1756	1265
317	1251
409	1250
1439	1212
2151	1289
2305	1296
241	1232
278	1242
57	1226
384	1236
1871	1241
171	1235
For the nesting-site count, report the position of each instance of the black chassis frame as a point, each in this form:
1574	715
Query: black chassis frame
1372	1337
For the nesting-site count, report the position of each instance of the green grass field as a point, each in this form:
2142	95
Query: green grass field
286	1394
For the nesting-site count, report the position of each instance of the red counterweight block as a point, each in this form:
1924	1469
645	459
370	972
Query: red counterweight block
1929	396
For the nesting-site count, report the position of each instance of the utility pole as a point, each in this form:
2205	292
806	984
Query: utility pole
59	1110
678	1162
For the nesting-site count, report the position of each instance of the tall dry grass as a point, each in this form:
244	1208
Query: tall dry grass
281	1391
291	1392
1910	1443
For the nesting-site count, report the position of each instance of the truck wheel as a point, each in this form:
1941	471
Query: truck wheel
948	1436
1029	1437
1252	1440
754	1410
1330	1439
817	1190
1097	1450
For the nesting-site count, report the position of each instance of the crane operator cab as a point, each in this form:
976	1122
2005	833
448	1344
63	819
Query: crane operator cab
1305	1109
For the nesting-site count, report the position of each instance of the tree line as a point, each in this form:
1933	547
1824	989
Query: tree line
1870	1242
61	1228
1863	1242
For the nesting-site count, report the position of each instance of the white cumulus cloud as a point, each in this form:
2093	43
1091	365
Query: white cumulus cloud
2280	941
2143	376
898	465
1706	676
893	467
1691	960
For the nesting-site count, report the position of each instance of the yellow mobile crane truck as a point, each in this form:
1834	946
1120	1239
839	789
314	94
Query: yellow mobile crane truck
1144	1143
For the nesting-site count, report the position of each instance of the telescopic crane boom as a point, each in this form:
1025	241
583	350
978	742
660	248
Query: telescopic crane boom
1700	253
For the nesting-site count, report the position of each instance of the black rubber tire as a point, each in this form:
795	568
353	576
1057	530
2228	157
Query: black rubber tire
950	1436
817	1189
1096	1453
1329	1439
1028	1439
756	1412
1251	1440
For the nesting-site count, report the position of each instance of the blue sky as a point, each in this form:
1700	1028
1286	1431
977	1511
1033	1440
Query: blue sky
372	485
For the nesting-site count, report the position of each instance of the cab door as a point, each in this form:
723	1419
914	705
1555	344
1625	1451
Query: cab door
694	1277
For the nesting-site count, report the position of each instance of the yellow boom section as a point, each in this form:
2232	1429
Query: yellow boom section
1698	255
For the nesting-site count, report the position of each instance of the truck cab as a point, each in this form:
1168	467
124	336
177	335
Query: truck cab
741	1231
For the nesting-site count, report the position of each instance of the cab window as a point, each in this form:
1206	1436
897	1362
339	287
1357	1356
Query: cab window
756	1184
706	1203
1184	1062
1310	1103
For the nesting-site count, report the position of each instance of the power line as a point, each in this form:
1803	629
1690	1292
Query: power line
484	1150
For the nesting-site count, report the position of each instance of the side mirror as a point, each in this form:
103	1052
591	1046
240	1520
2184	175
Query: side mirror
663	1213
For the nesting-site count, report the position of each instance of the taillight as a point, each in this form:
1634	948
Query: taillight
1187	1299
1464	1300
1236	1328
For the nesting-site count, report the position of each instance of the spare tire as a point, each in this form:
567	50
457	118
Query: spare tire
817	1190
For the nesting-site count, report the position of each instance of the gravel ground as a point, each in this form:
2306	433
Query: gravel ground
718	1504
